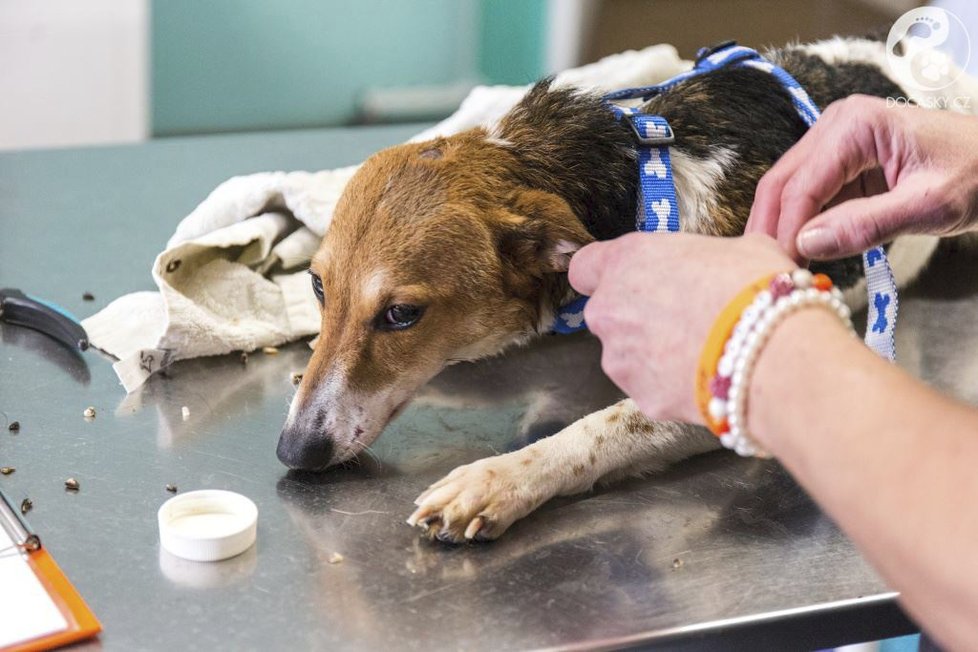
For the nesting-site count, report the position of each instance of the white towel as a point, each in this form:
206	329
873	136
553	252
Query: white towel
232	278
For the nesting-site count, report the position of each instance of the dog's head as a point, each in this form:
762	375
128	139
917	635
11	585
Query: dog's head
437	253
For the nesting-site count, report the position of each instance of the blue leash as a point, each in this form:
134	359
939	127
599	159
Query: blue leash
658	210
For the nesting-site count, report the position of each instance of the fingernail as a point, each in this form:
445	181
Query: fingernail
815	242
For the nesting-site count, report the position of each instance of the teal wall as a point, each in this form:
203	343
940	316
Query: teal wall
511	38
234	65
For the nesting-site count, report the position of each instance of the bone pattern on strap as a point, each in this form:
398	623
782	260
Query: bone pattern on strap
658	210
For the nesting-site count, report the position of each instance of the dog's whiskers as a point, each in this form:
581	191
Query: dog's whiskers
372	455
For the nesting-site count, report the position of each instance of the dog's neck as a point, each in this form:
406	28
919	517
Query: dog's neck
569	143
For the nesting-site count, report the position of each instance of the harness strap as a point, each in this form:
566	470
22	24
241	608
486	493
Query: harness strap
658	209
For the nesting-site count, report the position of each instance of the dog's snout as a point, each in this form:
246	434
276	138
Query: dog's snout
301	451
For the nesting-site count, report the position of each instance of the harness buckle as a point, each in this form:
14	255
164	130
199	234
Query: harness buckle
704	52
659	140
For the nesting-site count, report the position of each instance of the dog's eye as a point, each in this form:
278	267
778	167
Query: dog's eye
317	285
401	316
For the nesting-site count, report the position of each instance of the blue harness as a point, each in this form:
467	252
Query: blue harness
658	210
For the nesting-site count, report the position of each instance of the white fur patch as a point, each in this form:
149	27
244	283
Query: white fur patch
374	284
499	142
561	253
840	49
696	183
494	137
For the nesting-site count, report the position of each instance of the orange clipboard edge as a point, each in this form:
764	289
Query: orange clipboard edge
82	623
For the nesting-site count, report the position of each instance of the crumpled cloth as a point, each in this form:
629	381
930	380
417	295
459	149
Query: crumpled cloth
233	277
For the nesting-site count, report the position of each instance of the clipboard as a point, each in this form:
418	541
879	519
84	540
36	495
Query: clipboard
55	613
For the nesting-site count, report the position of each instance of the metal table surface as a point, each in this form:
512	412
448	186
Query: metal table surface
717	552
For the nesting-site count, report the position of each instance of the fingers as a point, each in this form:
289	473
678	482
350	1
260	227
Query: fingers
809	191
766	210
858	224
840	147
587	266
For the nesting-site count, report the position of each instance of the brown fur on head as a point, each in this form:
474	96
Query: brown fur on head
449	228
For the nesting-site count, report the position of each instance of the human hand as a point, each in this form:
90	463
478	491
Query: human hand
882	171
653	301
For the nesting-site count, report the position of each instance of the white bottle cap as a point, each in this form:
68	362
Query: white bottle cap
208	525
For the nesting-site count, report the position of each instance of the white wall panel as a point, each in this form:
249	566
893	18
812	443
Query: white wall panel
73	72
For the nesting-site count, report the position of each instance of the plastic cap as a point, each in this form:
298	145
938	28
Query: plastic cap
208	525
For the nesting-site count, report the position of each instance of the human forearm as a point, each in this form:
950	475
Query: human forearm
888	458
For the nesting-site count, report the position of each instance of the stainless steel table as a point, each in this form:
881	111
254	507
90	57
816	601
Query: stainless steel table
716	552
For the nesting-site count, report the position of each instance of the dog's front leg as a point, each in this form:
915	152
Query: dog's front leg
479	501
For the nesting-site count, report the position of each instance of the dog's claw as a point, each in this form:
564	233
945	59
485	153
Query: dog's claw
420	518
474	527
445	537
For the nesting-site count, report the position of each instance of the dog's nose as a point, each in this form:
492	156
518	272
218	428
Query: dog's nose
311	453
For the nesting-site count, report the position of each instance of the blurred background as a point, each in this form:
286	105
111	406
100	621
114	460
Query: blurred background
76	72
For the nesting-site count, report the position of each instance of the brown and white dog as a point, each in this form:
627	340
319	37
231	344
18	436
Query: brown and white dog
455	249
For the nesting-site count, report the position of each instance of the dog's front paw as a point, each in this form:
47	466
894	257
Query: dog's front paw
478	501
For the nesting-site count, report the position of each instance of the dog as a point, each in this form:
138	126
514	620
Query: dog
455	249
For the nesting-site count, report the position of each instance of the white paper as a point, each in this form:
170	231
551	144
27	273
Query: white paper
26	609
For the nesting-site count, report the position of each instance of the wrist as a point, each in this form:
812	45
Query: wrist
730	355
800	362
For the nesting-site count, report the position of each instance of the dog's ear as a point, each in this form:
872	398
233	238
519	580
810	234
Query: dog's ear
540	232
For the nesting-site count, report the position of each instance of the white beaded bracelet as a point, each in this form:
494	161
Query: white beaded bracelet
787	294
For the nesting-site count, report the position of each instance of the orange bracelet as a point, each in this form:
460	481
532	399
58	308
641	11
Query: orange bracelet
715	341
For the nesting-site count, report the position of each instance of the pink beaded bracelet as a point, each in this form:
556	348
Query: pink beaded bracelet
785	294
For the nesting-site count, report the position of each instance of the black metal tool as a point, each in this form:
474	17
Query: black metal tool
24	310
